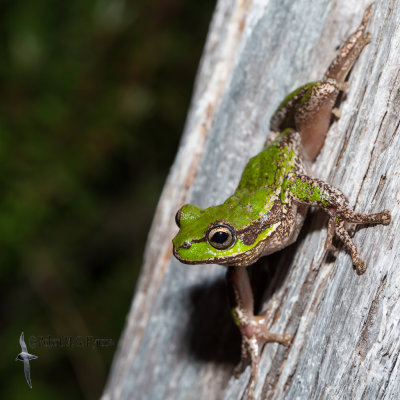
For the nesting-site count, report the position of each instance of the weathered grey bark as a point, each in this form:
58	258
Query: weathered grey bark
179	342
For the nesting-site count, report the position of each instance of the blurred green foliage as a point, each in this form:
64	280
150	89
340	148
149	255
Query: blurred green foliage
94	97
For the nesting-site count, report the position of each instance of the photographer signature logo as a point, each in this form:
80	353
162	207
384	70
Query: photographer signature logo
25	357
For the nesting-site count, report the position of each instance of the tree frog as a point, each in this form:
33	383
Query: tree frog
268	208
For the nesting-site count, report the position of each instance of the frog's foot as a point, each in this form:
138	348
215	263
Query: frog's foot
254	336
313	192
337	225
253	328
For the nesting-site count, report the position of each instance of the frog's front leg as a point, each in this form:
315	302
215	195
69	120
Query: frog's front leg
313	192
252	328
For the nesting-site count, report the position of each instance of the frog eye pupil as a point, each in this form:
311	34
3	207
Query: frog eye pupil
220	237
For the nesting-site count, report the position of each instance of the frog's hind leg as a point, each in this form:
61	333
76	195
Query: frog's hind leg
349	52
309	109
253	328
313	117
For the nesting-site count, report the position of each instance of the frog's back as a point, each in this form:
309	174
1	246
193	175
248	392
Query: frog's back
263	178
269	168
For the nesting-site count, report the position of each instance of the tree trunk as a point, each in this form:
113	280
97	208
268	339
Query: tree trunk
179	341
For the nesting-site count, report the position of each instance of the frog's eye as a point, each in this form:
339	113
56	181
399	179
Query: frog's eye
221	237
178	218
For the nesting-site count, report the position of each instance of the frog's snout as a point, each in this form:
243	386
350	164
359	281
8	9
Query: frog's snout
185	245
178	256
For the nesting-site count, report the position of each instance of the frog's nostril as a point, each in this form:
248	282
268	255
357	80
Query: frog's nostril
186	245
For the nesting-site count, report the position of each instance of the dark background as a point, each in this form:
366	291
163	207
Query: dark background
93	100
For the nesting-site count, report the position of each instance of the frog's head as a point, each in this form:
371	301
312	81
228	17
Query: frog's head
217	235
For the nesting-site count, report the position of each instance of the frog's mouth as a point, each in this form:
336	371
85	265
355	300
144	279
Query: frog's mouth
242	259
214	260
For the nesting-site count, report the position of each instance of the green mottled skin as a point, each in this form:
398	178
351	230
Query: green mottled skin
305	88
305	192
285	114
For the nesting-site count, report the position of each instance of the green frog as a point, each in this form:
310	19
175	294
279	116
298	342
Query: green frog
269	206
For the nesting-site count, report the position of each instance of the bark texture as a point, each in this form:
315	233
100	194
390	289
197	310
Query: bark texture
179	341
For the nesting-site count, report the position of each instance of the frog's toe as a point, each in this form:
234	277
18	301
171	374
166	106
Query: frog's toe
359	265
287	340
386	217
367	38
